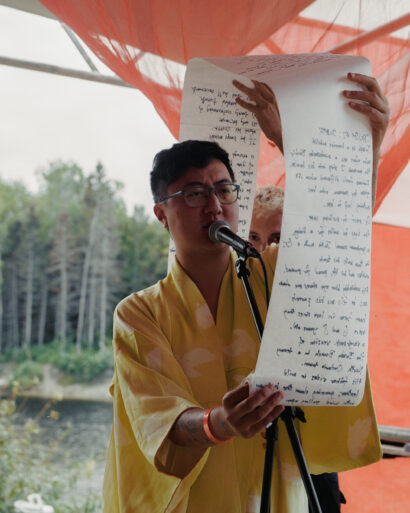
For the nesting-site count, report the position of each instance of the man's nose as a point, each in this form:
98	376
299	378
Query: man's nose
213	204
261	245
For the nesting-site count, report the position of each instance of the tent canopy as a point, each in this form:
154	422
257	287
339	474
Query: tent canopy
147	43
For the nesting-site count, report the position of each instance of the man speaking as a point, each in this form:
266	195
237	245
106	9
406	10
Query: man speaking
186	432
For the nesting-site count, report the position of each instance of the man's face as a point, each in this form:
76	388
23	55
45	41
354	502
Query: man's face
265	229
189	226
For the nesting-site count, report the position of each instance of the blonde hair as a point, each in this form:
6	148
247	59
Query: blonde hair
268	198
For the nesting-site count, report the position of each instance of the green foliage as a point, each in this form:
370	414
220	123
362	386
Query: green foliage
47	353
26	467
27	373
68	254
42	354
78	367
62	192
18	355
85	366
14	205
144	251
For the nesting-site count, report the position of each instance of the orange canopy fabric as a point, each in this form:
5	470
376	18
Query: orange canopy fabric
389	350
384	486
146	43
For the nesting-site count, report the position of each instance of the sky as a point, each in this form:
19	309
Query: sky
46	117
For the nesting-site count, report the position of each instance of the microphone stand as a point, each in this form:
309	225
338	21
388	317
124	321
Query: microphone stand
288	415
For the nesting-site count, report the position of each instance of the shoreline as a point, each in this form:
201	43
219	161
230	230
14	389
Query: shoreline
50	387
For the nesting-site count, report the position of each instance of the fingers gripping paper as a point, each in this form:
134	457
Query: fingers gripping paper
314	345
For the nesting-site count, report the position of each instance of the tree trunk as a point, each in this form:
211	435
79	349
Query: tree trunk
13	326
1	305
84	281
91	307
29	298
103	303
43	311
63	286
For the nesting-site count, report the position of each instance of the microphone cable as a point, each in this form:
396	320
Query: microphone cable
265	276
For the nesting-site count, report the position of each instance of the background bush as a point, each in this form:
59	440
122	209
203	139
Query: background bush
84	366
27	373
26	467
78	367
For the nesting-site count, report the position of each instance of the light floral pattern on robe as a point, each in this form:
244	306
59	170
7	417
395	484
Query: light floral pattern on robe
170	356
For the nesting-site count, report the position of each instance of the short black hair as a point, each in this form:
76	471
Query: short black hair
171	164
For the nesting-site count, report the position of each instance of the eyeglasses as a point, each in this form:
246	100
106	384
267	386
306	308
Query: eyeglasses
198	195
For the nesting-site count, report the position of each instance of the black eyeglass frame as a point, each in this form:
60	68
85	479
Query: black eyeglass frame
208	190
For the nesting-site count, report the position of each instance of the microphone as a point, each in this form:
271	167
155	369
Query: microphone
220	231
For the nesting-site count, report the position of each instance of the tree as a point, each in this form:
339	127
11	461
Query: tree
85	277
14	206
29	247
62	195
144	251
101	260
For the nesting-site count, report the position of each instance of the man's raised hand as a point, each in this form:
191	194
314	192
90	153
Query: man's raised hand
372	103
263	104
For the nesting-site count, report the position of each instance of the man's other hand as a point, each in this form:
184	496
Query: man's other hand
244	414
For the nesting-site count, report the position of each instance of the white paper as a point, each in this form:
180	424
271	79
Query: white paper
314	346
210	112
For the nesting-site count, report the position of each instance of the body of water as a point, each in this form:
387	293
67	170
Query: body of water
82	431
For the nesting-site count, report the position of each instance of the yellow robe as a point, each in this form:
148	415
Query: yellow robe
169	356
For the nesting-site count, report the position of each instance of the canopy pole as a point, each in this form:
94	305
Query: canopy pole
77	44
371	35
93	76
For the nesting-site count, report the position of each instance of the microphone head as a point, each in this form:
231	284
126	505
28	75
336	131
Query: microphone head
213	229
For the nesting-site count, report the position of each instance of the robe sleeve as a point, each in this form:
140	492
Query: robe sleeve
336	438
339	438
153	388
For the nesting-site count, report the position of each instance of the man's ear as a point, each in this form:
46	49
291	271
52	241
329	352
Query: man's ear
161	215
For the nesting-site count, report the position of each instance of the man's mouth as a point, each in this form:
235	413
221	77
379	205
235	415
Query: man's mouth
206	226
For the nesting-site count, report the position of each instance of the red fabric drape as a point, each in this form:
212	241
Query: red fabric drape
389	349
142	40
389	357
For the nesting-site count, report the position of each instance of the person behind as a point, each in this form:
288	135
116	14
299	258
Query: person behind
185	423
265	229
266	217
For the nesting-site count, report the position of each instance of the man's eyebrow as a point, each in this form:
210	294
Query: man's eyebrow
223	180
194	183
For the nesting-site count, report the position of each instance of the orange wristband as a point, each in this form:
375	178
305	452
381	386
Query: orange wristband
207	430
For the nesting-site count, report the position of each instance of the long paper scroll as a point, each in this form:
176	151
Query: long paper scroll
314	345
